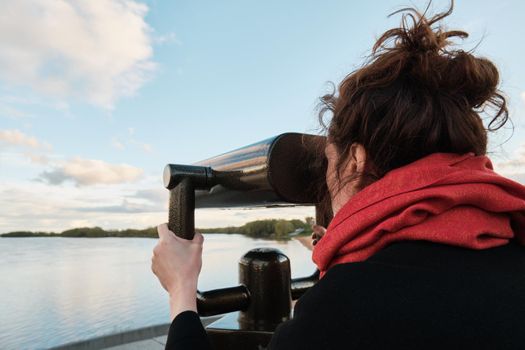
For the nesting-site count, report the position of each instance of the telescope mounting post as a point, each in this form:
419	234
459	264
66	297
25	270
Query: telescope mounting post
278	170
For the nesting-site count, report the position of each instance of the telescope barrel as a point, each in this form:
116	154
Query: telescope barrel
282	170
285	170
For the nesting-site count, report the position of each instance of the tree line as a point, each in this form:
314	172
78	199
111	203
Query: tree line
268	228
271	228
95	232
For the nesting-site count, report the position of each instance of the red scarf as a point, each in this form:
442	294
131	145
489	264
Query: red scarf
444	198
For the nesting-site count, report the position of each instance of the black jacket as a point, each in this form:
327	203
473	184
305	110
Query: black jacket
410	295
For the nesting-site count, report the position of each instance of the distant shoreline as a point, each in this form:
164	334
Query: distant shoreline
269	228
87	232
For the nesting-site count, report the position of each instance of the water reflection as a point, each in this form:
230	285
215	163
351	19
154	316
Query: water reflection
58	290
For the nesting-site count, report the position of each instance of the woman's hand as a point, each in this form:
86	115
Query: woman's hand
318	233
177	263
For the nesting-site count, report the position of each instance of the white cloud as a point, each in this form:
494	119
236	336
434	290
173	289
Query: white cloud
94	50
11	112
38	206
87	172
153	195
117	144
145	200
129	140
515	166
523	97
37	158
146	147
16	138
125	207
80	171
168	38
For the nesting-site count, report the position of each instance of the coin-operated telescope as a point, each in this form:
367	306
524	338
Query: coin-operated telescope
285	170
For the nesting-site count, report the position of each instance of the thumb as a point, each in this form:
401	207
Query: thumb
198	237
319	230
164	232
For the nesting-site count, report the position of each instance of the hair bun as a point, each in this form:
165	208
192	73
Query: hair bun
416	95
419	52
475	79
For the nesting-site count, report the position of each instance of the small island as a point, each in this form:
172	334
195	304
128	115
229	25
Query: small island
267	228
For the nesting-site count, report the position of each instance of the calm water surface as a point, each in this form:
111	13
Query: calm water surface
58	290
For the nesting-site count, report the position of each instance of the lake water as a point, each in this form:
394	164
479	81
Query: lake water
58	290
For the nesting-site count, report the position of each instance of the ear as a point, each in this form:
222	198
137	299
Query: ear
357	158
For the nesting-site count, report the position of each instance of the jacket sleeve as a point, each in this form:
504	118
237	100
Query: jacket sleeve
187	333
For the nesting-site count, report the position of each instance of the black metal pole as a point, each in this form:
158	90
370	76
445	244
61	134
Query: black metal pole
302	284
221	301
266	274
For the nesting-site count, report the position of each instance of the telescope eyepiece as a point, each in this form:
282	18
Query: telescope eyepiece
201	177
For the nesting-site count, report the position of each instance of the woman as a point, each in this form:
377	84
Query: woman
424	250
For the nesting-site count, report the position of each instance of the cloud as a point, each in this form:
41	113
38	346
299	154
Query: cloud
87	172
80	171
93	50
515	166
11	112
125	207
523	97
10	106
155	195
145	147
37	158
17	138
167	39
117	144
147	200
30	147
129	140
38	206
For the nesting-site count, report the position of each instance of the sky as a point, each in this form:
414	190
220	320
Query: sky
96	96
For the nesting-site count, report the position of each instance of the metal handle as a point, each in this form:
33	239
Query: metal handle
181	215
301	285
221	301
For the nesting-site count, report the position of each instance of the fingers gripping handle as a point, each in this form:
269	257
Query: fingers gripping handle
181	215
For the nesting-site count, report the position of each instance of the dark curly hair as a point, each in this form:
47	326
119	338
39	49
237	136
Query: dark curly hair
413	97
